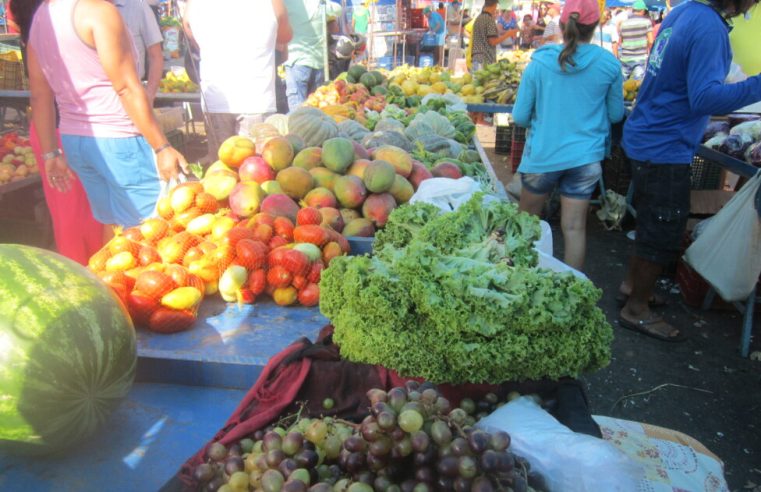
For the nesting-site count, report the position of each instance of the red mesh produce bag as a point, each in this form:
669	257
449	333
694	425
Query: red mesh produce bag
305	374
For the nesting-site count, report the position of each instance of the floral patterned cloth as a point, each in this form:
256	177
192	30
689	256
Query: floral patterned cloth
673	462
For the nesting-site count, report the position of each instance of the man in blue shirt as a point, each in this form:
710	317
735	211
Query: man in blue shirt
438	27
683	86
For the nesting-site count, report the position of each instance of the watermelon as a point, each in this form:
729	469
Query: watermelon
67	351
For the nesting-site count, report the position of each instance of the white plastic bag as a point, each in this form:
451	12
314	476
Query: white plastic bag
445	193
728	251
568	461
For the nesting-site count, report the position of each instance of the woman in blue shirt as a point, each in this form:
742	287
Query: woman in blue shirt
568	97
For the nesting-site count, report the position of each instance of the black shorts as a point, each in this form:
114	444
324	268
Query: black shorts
662	201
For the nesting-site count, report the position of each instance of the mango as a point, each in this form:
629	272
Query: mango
295	182
379	176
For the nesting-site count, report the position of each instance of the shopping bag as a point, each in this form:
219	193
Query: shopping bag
727	253
447	194
165	188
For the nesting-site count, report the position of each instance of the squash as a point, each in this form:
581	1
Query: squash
261	133
312	125
353	130
279	121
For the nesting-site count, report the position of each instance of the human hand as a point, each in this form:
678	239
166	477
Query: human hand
58	173
170	162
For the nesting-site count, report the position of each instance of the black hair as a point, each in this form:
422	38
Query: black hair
573	34
441	5
490	3
23	13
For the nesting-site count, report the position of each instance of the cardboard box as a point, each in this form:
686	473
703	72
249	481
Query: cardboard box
708	202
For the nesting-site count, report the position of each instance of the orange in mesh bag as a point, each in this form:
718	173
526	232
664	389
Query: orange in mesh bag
166	302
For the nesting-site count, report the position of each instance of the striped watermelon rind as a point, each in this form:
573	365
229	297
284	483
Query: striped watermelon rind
67	350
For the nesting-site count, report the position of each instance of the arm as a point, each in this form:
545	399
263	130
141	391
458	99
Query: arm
284	30
186	26
100	25
43	116
153	41
615	98
649	40
707	92
523	110
495	40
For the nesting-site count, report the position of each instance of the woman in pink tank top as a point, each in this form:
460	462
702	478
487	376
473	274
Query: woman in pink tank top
80	56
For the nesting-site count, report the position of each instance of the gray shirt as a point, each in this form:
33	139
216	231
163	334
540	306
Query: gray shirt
142	25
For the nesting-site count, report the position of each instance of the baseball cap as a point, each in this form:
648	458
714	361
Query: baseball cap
426	10
639	5
588	10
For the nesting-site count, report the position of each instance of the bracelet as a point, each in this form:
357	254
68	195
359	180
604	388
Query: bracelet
52	154
163	147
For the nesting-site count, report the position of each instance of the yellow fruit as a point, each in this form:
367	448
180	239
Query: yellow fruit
182	298
121	262
409	87
435	77
630	85
439	87
467	78
424	90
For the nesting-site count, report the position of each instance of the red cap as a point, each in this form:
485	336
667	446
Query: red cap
588	10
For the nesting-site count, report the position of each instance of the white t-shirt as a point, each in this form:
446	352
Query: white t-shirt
605	36
237	42
142	25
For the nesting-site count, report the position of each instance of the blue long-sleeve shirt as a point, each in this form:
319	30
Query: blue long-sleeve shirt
568	113
684	86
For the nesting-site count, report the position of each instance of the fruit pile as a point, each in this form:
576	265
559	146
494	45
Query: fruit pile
17	160
499	81
631	88
411	441
354	189
173	82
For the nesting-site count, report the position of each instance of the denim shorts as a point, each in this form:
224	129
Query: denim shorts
119	176
578	182
662	201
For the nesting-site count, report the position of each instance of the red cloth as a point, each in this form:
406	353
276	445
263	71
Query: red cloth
77	234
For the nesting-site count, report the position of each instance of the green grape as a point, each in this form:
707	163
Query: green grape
410	421
239	481
316	432
328	403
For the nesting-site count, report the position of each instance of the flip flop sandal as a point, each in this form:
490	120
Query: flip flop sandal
655	301
642	325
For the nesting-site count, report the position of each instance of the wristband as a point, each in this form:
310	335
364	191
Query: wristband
163	147
52	154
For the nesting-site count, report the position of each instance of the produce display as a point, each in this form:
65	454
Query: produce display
67	347
457	297
500	81
631	88
177	81
412	440
738	136
17	159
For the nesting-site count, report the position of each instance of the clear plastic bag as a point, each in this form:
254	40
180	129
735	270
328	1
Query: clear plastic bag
568	461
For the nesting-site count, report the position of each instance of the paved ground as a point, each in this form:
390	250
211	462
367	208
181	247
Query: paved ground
701	387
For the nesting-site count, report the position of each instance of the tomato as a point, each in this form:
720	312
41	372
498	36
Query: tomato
222	257
251	254
154	284
121	291
121	262
277	241
120	244
257	281
263	218
247	296
178	273
133	234
193	254
278	276
330	251
206	202
284	228
118	278
284	296
309	295
148	255
296	262
299	281
154	229
205	270
141	306
165	320
195	281
97	261
236	234
263	233
315	272
182	298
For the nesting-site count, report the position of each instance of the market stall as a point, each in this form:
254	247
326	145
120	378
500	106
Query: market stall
232	352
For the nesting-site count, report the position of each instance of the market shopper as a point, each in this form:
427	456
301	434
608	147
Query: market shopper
437	27
683	86
360	18
485	36
635	36
76	232
141	22
553	33
568	97
80	57
238	85
527	32
304	69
